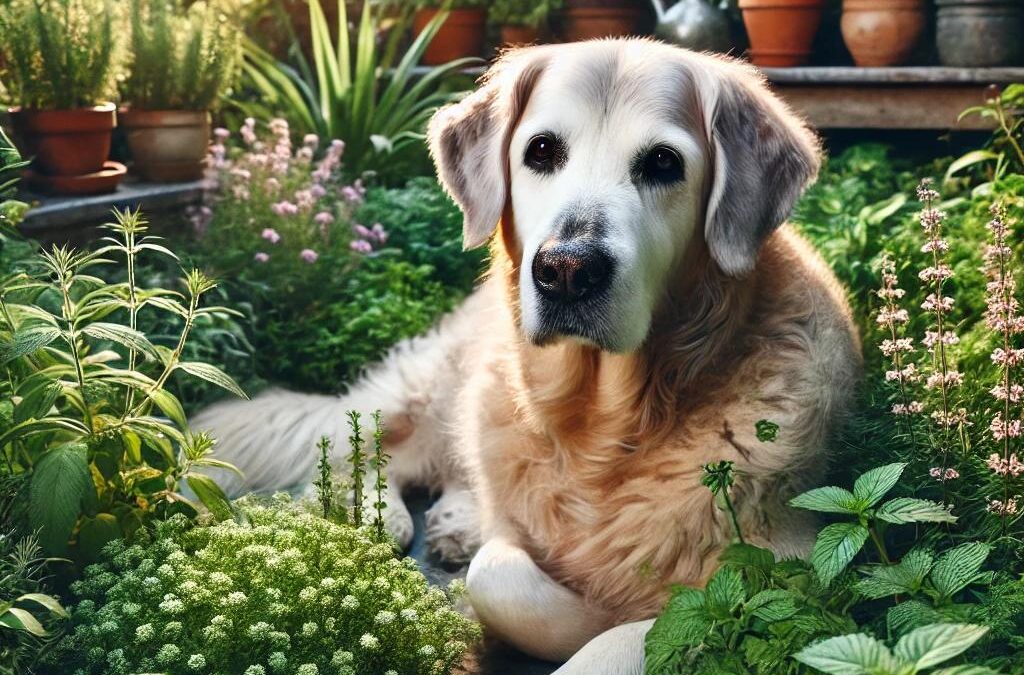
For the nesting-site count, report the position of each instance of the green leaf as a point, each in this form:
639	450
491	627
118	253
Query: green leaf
210	494
21	619
28	341
170	406
902	578
969	159
122	335
38	402
856	654
931	645
684	624
965	669
909	510
874	484
212	374
95	533
956	568
748	556
46	601
772	605
909	615
60	483
829	499
835	547
724	592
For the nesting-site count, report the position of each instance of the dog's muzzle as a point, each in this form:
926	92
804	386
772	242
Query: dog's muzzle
569	272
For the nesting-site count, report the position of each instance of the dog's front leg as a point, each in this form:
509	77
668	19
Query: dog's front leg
618	651
525	607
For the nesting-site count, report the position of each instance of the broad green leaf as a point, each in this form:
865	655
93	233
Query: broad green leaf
18	618
47	601
170	406
27	341
856	654
38	402
212	374
772	605
747	556
210	494
956	568
931	645
904	577
874	484
909	615
95	533
122	335
829	499
909	510
60	483
684	624
969	159
835	547
724	592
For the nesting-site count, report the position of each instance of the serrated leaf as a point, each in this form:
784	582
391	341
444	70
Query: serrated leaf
931	645
909	615
829	499
122	335
965	669
27	341
60	483
745	556
212	374
874	484
956	568
772	605
724	592
856	654
210	494
835	547
909	510
683	624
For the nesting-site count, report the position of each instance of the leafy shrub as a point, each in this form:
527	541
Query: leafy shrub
181	59
57	54
11	211
522	12
84	407
283	591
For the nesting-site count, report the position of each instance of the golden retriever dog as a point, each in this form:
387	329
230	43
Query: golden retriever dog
645	307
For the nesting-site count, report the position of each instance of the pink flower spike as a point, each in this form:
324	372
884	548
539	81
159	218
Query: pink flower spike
271	235
221	134
361	246
261	257
309	255
323	218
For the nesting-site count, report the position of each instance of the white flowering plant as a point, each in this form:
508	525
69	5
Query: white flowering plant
280	590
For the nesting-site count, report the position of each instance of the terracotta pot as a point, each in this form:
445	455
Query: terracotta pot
65	142
518	35
588	23
980	33
882	33
461	35
781	31
168	146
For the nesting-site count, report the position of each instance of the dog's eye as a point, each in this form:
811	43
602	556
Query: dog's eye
543	153
662	166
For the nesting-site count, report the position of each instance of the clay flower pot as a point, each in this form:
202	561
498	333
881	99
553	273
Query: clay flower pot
461	35
168	146
590	19
65	142
882	33
980	33
781	31
518	35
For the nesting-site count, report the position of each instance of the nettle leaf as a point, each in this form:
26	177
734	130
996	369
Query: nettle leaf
748	556
909	615
122	335
684	624
874	484
835	547
931	645
28	341
958	567
965	669
212	374
856	654
829	499
724	592
60	484
905	577
909	510
772	605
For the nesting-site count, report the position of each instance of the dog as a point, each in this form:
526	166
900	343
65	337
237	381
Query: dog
645	307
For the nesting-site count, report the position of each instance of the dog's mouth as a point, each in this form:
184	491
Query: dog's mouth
587	322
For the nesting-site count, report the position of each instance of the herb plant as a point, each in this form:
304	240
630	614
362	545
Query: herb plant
57	54
181	59
11	163
522	12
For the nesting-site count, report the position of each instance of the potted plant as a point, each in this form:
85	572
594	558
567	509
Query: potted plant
519	21
980	33
461	34
882	33
58	67
781	31
588	19
181	61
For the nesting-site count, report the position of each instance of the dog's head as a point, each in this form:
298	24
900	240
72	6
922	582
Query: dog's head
611	161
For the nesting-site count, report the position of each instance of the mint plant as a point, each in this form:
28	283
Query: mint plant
837	544
916	652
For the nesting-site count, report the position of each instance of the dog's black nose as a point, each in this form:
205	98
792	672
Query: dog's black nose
571	270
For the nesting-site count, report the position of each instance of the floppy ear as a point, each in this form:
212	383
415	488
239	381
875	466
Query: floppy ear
469	142
762	158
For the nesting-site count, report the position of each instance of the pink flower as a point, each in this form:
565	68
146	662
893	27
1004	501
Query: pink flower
261	257
323	218
308	255
271	235
284	208
361	246
317	190
943	475
311	141
1007	508
272	184
221	134
379	233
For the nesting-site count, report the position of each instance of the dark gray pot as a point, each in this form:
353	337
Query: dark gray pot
980	33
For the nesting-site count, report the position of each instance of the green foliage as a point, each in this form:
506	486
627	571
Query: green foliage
766	431
357	465
181	59
1004	153
837	544
57	54
353	90
83	400
921	649
522	12
719	478
11	163
324	483
379	463
753	614
281	590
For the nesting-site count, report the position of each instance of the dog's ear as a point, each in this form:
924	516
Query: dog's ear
762	158
469	141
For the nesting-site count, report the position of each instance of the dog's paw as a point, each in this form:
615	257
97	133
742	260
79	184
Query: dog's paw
398	521
453	526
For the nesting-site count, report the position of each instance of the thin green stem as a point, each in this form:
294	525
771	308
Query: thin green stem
879	544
